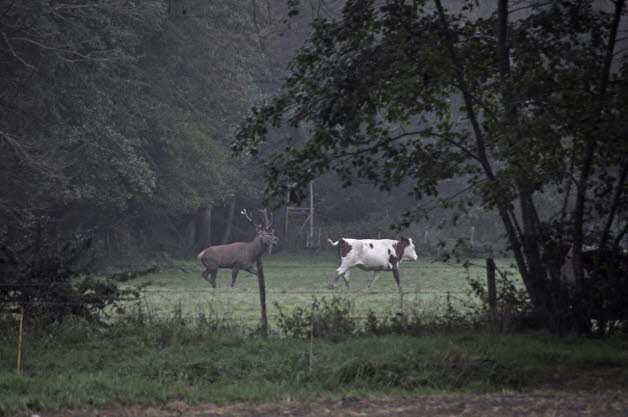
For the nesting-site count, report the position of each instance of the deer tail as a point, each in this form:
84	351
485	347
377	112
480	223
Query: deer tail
332	242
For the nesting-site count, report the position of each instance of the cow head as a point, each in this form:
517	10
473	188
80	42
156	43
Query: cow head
409	251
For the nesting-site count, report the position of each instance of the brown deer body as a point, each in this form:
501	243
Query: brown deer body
237	256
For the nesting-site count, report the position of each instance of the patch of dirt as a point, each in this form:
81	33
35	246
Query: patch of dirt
511	405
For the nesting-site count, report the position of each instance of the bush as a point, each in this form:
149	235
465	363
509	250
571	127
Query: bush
329	319
513	308
397	323
49	282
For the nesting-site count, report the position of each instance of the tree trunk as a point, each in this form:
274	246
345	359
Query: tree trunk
590	149
536	281
506	215
621	182
202	232
523	243
230	217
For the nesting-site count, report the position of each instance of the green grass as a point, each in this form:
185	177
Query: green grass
80	366
194	344
293	281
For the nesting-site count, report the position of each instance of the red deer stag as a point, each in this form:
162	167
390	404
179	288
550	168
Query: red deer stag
239	255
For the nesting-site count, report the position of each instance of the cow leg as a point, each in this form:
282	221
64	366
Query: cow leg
346	277
212	280
339	272
234	275
395	271
375	278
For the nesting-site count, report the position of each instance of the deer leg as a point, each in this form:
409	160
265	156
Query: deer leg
205	275
251	270
212	280
234	275
375	278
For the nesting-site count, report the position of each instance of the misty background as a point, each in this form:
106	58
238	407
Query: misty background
123	133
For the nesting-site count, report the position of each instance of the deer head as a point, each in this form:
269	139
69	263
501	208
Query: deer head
263	229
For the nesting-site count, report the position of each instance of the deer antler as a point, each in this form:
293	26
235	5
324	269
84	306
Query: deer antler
268	223
247	216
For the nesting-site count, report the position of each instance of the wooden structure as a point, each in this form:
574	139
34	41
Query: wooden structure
300	217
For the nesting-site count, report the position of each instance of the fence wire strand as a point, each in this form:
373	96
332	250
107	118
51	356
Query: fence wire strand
150	300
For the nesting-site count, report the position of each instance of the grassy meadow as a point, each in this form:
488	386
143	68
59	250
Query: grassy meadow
167	353
294	281
78	366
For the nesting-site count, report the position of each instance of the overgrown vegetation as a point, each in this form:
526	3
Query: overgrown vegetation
333	319
512	303
328	318
145	360
50	282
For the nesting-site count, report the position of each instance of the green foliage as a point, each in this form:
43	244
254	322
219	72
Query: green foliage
114	118
513	306
398	323
381	69
327	318
49	283
400	95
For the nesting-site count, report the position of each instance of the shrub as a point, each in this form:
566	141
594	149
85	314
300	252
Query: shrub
397	323
49	282
513	306
329	319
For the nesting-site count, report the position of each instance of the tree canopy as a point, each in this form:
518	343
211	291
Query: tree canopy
519	101
114	116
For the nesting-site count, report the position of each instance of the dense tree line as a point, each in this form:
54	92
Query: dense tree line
115	117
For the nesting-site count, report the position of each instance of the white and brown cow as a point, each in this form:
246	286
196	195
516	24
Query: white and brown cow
372	255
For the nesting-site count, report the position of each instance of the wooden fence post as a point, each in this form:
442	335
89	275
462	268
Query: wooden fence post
492	292
312	336
19	343
262	297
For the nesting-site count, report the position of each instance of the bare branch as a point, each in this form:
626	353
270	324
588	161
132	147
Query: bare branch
531	6
620	236
7	9
88	57
8	42
620	51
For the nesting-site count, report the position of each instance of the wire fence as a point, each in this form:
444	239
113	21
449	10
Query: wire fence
242	304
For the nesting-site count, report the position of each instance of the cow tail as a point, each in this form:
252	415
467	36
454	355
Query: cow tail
332	242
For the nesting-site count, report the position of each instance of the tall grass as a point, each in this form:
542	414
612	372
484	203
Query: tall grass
147	360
